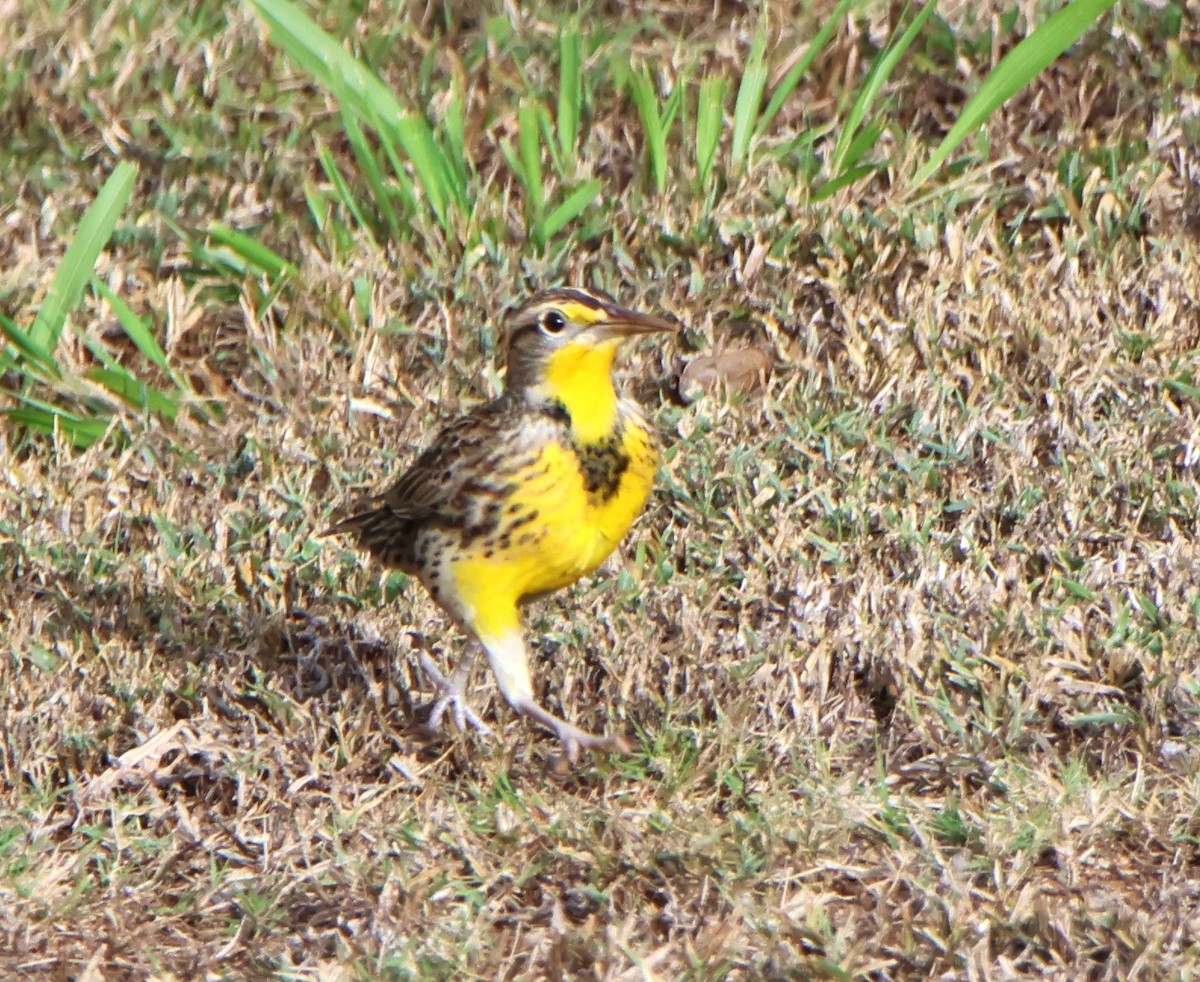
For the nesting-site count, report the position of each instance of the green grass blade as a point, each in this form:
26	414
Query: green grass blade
122	384
316	52
880	71
570	90
404	188
1183	388
9	356
75	271
785	88
81	432
436	174
141	334
710	118
342	188
318	205
136	329
358	88
749	98
575	205
804	141
530	145
646	99
109	363
512	158
864	141
30	348
672	106
846	177
256	255
454	126
1015	70
369	165
549	140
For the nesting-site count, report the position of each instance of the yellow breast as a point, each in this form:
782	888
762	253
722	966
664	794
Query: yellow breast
562	521
610	517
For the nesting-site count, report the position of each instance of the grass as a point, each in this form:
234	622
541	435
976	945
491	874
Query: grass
906	642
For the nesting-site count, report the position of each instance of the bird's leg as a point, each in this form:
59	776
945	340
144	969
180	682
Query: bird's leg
506	654
571	737
454	693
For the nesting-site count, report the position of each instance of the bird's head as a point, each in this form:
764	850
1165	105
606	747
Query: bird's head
560	344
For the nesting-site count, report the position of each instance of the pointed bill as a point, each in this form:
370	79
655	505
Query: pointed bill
621	322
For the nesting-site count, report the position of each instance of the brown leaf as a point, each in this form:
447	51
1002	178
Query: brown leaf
740	370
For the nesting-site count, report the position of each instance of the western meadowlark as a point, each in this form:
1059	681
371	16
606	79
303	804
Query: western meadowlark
524	495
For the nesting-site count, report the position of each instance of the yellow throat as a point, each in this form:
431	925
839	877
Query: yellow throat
579	376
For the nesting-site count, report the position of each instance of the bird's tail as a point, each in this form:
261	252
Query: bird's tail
380	531
360	523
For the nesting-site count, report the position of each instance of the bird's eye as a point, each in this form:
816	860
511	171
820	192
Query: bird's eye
553	322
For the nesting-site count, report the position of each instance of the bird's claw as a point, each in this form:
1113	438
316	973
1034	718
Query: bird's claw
572	738
453	697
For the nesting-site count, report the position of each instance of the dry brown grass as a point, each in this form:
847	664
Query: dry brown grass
908	642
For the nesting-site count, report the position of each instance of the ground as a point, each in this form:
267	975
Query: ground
906	643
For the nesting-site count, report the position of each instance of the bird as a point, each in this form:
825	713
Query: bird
522	496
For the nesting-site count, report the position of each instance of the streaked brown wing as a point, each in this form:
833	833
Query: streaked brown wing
466	452
432	485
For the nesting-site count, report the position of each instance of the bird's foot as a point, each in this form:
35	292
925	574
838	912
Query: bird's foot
572	738
453	697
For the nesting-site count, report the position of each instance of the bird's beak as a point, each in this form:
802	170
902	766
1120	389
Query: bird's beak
621	322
